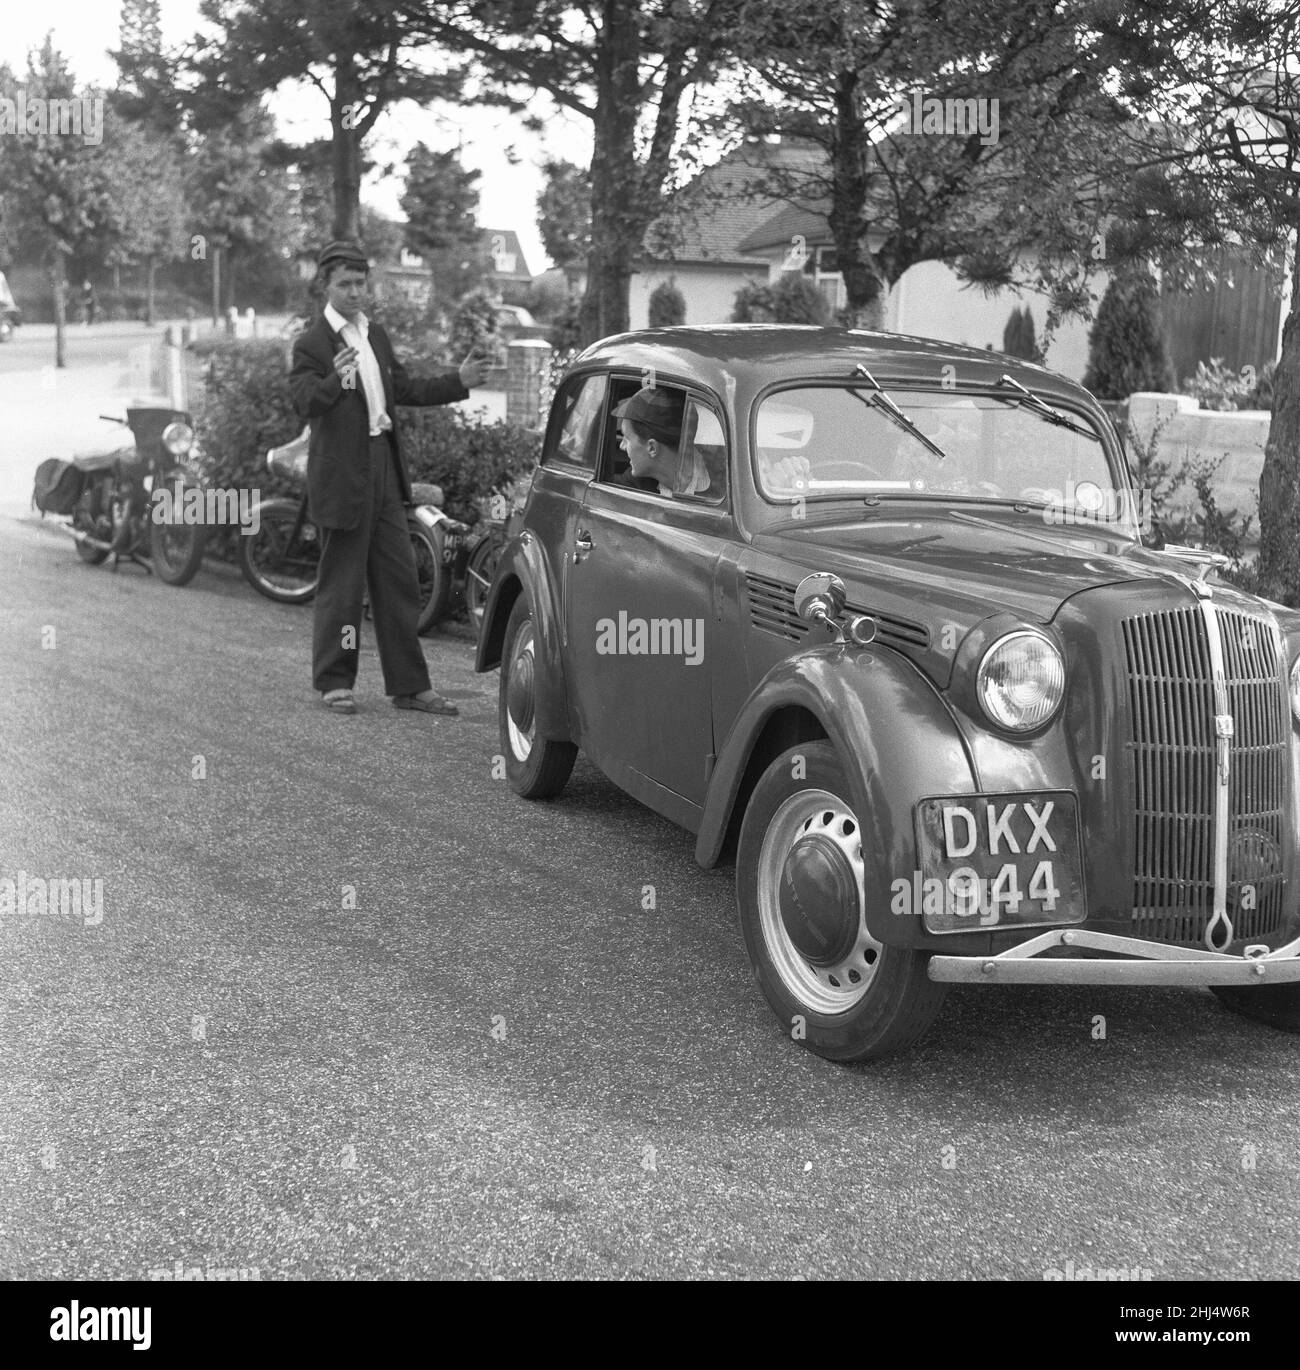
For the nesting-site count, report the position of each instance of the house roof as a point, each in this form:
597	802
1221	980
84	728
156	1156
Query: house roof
712	218
787	224
505	255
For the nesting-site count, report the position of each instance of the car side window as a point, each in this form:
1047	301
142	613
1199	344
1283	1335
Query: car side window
701	451
578	441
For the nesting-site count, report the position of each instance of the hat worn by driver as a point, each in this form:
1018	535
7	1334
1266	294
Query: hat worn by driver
341	250
658	408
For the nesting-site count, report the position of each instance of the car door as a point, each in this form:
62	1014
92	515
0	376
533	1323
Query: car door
640	623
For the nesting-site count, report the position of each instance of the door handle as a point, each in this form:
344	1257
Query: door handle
581	545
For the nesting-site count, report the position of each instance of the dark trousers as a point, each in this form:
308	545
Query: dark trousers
378	551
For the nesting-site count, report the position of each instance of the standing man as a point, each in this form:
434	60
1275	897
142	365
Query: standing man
347	383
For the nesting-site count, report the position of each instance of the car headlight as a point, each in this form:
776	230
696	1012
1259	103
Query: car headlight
1021	681
178	438
1295	688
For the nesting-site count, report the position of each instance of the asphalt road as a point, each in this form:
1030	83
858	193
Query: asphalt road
500	1062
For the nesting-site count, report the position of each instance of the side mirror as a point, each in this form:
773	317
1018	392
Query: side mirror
820	598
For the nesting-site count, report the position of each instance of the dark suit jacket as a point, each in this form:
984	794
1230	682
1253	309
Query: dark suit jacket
338	455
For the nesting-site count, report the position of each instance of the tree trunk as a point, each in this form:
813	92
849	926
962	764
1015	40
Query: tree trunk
865	286
345	151
151	269
619	212
1279	482
60	278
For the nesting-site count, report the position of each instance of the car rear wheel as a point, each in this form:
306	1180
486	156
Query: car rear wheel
800	892
537	767
1276	1005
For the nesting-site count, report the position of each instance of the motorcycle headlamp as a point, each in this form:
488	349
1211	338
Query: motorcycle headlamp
1021	681
178	438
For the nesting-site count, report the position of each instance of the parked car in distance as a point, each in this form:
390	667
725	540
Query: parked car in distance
882	625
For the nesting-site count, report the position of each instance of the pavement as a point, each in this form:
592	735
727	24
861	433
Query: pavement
353	1010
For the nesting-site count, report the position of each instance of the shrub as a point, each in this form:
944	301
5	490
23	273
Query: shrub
1018	337
667	305
469	460
417	330
473	324
795	299
1202	525
1216	387
1126	347
546	299
565	334
753	304
246	410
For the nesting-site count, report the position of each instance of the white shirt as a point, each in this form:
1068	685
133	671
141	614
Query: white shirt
372	382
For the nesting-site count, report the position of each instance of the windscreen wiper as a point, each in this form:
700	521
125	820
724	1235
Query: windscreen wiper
891	411
1029	400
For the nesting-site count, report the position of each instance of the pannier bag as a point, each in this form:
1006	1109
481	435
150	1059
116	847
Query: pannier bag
58	486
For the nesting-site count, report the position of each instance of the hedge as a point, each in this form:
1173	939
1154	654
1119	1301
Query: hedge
247	409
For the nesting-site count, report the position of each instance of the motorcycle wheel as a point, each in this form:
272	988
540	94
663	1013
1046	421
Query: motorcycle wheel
479	571
84	522
271	565
176	549
430	548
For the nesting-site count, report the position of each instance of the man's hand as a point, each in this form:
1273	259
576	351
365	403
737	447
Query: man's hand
784	473
474	369
345	361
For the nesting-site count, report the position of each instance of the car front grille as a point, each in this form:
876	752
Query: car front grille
1172	751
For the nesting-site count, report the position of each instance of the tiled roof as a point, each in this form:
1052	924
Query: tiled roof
711	218
793	221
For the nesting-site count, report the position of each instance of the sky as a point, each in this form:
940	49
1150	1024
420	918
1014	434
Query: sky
84	30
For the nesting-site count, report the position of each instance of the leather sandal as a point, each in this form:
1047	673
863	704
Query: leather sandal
433	704
339	701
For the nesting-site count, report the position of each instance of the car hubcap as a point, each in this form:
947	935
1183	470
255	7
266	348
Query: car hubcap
519	693
811	908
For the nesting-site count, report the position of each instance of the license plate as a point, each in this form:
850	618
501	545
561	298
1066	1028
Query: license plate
997	860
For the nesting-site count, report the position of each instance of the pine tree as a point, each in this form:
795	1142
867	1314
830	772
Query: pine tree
1019	338
1126	347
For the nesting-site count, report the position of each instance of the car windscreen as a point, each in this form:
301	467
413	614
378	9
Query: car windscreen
831	442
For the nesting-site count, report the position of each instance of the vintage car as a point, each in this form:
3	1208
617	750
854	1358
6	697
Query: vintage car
883	626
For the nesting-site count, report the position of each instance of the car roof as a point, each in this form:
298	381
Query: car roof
716	354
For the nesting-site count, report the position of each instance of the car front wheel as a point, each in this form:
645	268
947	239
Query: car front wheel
537	767
801	894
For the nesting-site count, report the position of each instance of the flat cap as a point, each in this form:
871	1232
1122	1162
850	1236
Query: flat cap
661	409
342	250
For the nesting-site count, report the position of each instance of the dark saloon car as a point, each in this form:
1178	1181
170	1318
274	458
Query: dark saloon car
873	615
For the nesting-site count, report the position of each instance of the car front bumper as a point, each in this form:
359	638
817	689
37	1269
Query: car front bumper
1151	963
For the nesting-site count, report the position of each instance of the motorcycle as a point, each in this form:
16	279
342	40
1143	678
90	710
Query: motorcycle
281	559
111	499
